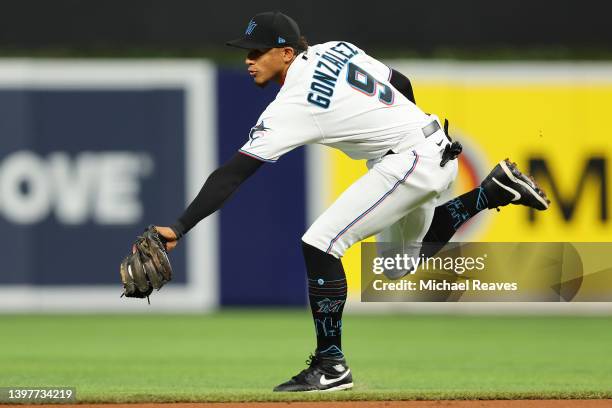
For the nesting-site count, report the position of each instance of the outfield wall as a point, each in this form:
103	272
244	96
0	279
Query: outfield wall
145	25
93	151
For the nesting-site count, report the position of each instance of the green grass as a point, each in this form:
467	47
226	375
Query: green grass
239	355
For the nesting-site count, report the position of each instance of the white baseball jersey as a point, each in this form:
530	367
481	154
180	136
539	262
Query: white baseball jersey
336	95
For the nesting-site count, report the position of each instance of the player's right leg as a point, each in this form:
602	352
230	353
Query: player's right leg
504	185
404	237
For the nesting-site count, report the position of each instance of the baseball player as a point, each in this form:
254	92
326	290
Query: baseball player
336	95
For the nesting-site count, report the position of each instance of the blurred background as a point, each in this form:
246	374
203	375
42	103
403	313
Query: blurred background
113	113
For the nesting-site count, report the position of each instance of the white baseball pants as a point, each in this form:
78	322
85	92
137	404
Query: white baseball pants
396	199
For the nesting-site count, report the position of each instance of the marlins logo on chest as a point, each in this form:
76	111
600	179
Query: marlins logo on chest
256	132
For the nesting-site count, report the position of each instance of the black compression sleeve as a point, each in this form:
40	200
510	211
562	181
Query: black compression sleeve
218	187
402	84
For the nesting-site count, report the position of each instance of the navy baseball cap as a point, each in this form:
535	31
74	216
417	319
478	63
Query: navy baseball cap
271	29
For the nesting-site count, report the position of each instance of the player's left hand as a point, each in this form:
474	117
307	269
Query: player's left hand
147	267
169	236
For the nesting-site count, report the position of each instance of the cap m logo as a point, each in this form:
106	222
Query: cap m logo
250	27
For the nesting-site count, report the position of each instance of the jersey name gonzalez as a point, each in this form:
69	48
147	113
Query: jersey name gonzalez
335	94
329	65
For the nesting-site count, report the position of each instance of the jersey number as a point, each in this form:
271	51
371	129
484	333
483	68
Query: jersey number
364	82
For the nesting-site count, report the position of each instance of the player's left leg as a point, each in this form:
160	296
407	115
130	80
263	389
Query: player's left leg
394	186
327	368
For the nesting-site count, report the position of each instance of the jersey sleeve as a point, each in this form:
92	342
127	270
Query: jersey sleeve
381	71
280	129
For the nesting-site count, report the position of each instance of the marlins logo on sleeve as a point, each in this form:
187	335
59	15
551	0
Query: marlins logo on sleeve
282	127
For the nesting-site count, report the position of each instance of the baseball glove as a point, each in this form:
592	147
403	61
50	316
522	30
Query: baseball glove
147	267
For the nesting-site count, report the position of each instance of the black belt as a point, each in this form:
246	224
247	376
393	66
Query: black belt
428	130
432	128
451	150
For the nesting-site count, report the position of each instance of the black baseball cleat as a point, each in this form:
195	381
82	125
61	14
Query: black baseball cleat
322	374
507	185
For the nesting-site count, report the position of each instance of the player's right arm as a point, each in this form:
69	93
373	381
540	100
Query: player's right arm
398	80
402	84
